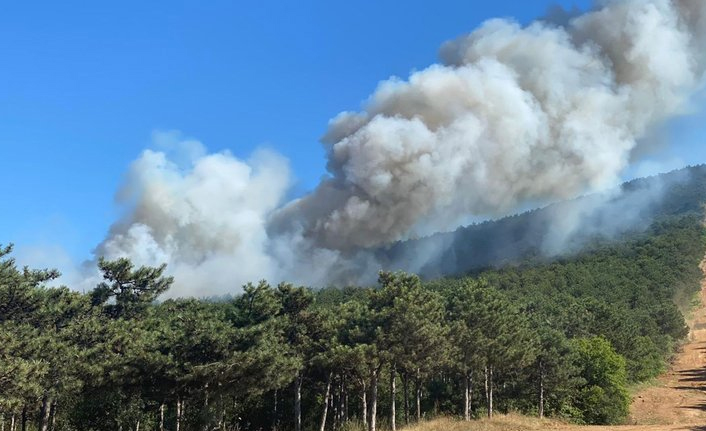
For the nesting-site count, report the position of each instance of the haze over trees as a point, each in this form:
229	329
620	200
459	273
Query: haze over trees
562	337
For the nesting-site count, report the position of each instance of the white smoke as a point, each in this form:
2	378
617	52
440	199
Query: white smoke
511	115
204	217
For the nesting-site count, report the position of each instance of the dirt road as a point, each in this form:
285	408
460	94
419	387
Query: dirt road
678	402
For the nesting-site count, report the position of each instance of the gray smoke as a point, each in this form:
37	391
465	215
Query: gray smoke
202	214
511	115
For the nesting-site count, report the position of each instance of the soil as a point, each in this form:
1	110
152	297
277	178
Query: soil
678	400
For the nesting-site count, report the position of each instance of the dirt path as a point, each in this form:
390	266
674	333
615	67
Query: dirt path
678	401
680	398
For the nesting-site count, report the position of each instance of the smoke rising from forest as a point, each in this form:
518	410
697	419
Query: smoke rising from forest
510	116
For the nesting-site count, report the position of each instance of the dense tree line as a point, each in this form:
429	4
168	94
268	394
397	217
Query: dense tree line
564	339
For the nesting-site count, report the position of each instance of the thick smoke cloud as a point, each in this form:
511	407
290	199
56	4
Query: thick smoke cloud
204	215
511	115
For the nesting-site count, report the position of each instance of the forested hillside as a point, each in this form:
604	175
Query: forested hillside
561	337
532	236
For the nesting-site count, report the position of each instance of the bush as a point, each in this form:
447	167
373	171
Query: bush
604	398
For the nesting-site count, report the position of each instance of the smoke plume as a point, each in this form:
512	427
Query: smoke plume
510	116
203	214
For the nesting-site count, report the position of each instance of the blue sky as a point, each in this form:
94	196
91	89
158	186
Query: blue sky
84	84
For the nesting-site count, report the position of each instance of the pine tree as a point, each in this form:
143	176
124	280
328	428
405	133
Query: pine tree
131	289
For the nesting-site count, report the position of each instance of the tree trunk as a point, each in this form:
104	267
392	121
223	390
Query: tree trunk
365	403
178	413
467	399
541	390
485	374
45	413
470	393
161	417
405	388
334	404
341	401
274	414
326	402
344	400
137	426
298	403
12	422
418	395
393	395
373	399
24	418
490	391
52	414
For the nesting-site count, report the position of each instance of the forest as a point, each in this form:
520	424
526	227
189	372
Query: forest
563	339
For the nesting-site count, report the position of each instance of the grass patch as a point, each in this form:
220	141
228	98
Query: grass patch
509	422
635	388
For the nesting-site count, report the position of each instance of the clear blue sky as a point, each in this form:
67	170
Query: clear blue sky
84	84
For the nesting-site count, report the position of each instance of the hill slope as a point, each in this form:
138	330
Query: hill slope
559	229
676	402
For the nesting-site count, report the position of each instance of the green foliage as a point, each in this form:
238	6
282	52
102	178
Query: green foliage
604	398
563	336
132	290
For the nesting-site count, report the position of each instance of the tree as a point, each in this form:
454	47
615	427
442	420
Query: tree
132	289
604	398
415	333
357	352
21	374
257	304
27	358
554	369
299	329
465	336
61	317
501	333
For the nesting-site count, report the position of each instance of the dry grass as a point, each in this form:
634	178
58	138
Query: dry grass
511	422
514	422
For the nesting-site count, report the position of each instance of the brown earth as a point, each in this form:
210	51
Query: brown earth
676	402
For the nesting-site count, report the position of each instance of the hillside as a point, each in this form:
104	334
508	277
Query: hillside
675	401
536	236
